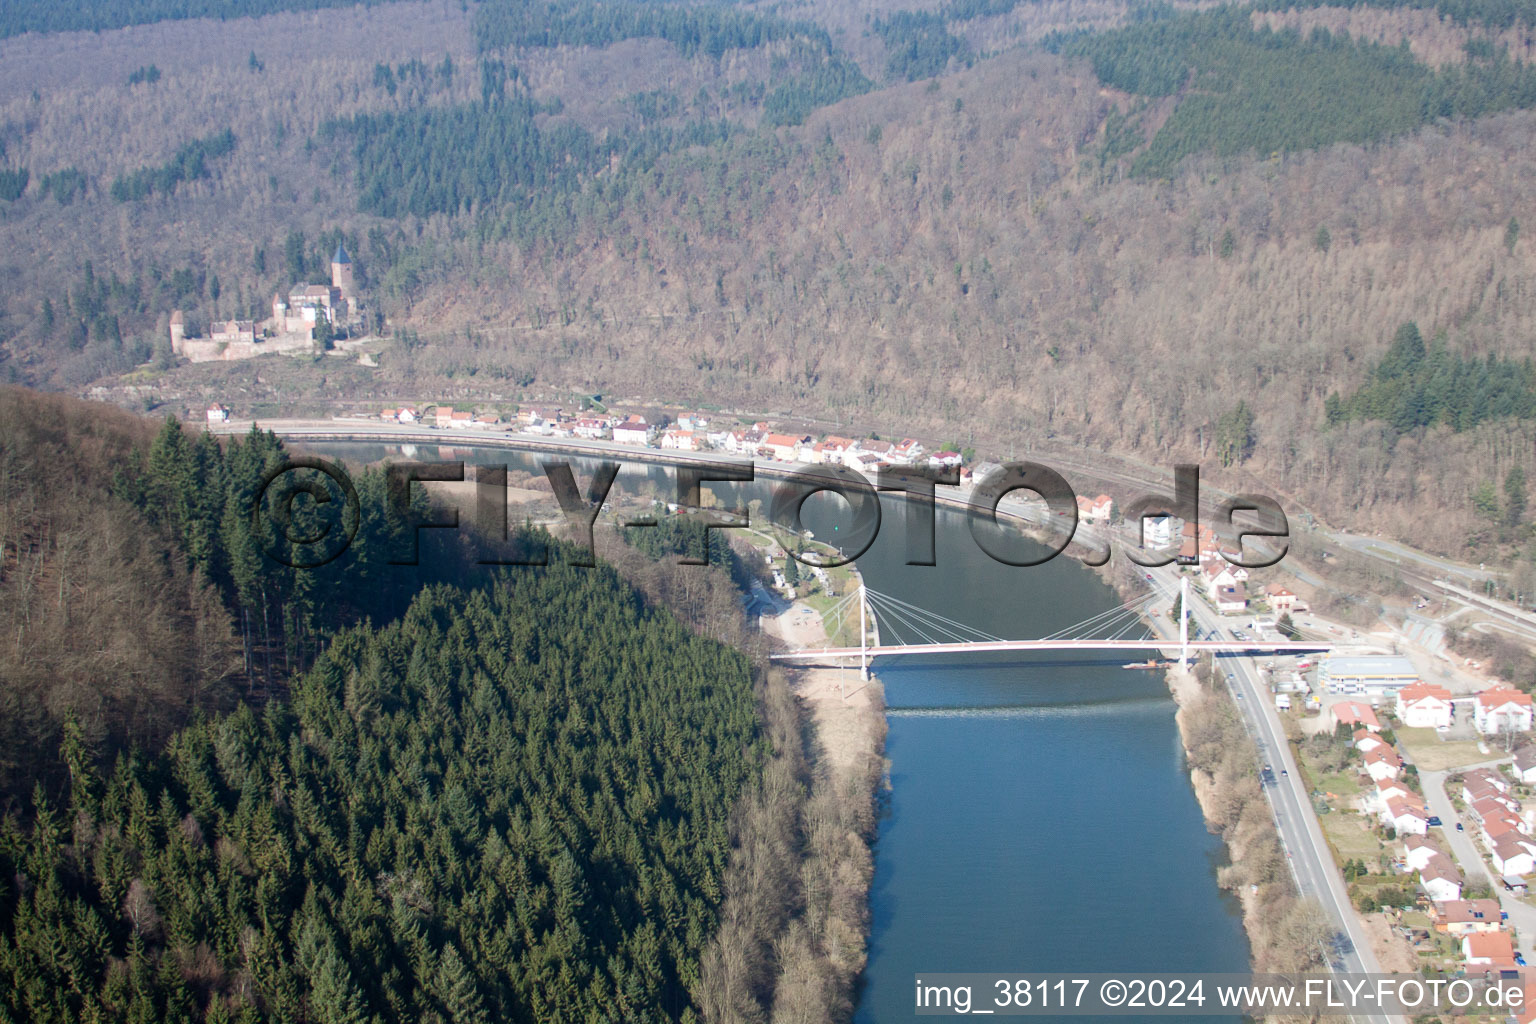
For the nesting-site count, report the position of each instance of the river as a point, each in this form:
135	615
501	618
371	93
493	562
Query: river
1040	815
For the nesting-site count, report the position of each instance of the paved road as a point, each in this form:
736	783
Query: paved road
1301	835
1522	916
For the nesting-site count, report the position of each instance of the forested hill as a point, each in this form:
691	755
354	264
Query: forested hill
18	16
512	804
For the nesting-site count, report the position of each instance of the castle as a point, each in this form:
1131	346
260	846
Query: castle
291	328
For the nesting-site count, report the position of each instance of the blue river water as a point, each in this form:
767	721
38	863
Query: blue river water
1040	815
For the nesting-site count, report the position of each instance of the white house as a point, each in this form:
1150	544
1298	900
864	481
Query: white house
1231	600
785	447
1420	851
1501	709
633	430
1157	531
1511	854
591	429
1366	741
1494	949
1440	879
1424	706
217	413
1525	764
1381	763
1406	817
680	440
946	460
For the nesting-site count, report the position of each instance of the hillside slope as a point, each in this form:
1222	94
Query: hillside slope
1030	245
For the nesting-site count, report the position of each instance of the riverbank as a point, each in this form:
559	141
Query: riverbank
1286	932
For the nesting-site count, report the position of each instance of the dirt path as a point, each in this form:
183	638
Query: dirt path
848	712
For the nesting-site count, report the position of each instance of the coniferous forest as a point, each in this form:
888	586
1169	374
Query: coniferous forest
444	792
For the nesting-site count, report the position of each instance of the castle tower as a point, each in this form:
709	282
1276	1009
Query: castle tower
341	271
178	332
279	313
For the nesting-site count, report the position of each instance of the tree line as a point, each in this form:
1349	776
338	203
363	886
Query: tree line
1417	385
709	29
1247	90
511	804
189	163
44	16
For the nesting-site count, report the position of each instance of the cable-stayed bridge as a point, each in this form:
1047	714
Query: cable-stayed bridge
911	630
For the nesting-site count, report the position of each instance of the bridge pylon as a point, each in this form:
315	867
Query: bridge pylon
1183	621
863	635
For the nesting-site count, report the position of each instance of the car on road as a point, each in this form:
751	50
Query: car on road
1231	677
1149	575
1460	827
1435	822
1285	771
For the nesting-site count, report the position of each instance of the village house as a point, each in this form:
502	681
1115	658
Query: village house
678	439
946	460
1355	715
1406	817
784	447
1502	710
867	463
1096	510
1468	917
1157	532
591	428
1512	854
1231	600
1495	949
1525	764
217	413
1419	852
906	452
1281	601
1218	573
632	430
1364	740
880	449
1424	706
1488	777
1439	879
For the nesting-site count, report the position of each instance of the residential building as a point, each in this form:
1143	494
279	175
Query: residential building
1406	817
1282	601
1157	532
1468	917
1355	715
1511	854
217	413
1231	600
632	430
1494	949
1502	710
1420	851
1424	706
1525	764
1440	880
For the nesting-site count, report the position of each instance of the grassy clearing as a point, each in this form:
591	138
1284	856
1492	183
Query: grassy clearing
1431	753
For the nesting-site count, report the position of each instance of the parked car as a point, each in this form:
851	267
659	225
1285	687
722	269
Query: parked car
1434	821
1460	827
